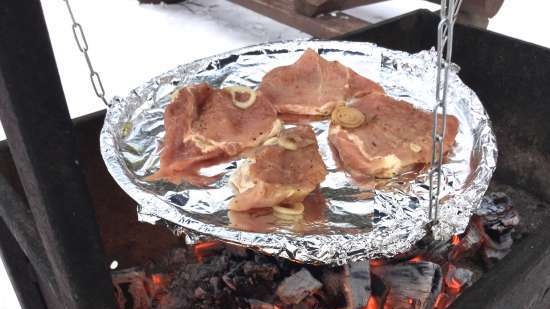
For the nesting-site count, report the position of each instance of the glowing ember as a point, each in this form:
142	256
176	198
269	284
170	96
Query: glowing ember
375	263
157	279
373	303
201	250
232	277
454	285
416	259
455	240
442	301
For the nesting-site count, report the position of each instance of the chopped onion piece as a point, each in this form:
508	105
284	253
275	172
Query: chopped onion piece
347	117
287	143
234	90
414	147
272	141
288	218
294	209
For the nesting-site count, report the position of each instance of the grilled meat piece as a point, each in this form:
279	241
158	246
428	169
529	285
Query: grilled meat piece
394	137
313	85
203	127
282	171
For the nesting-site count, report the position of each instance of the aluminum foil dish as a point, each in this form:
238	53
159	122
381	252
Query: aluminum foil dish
344	223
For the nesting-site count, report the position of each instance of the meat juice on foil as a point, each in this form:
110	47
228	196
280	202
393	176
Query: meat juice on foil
345	222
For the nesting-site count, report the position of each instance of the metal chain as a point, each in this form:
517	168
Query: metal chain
445	32
82	44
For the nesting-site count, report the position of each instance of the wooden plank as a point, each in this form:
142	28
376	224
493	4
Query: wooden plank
485	8
316	7
324	27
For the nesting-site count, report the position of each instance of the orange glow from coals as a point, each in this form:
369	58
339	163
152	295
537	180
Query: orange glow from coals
157	279
416	259
373	303
375	263
454	285
411	301
200	249
455	240
441	301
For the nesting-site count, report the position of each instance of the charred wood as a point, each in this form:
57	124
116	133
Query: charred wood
411	285
297	287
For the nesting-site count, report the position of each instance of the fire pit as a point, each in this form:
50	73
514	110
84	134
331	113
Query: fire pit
159	270
217	275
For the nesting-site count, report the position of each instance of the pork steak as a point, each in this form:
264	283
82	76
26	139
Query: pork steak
282	171
394	137
313	85
203	127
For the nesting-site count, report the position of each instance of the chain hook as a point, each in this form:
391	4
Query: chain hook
82	45
445	32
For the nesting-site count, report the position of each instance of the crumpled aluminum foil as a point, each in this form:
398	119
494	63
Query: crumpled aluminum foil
354	223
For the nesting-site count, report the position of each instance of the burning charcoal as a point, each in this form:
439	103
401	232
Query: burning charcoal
438	251
412	285
308	303
215	284
264	272
258	304
200	293
132	286
497	212
295	288
490	256
494	224
357	284
458	278
207	249
229	282
379	291
237	251
501	242
351	282
332	282
470	242
333	293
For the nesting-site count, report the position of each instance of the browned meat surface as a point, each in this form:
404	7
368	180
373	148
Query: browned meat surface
282	171
394	138
313	85
204	127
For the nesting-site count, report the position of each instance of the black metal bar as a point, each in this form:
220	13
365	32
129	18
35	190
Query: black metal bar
20	271
19	221
41	138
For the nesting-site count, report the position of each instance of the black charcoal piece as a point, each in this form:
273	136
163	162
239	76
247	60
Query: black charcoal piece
295	288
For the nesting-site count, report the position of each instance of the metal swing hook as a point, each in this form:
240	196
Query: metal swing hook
82	44
445	32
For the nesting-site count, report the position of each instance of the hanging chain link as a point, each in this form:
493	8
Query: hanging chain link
82	44
445	32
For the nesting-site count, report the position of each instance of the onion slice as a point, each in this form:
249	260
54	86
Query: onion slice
294	209
284	142
347	117
287	143
234	90
415	147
